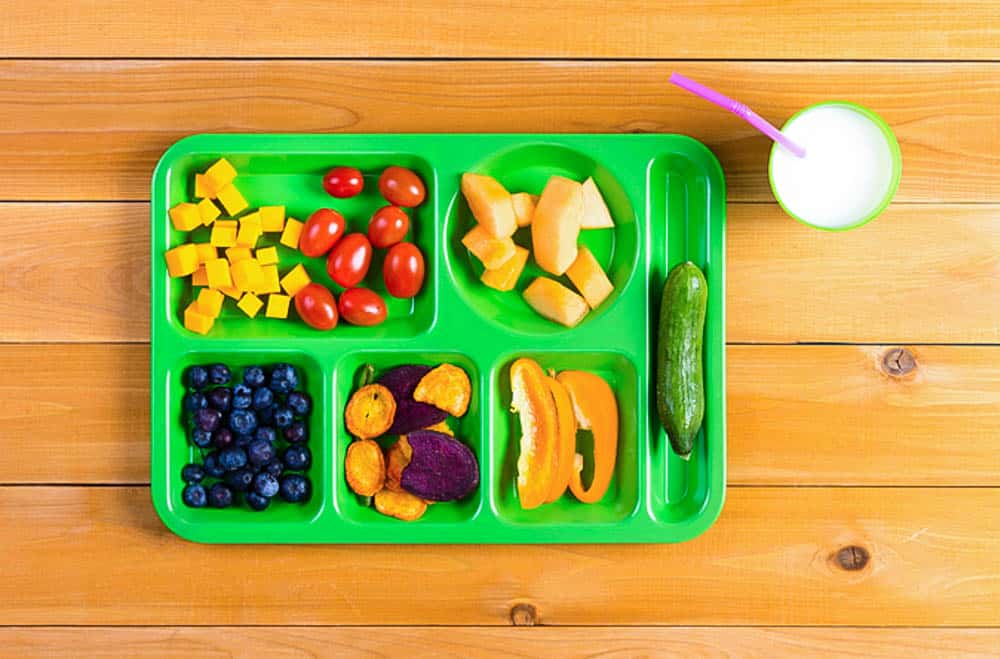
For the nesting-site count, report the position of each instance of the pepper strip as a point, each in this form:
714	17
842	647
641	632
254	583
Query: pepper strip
595	409
532	400
566	445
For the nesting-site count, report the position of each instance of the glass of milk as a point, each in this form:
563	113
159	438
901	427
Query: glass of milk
850	171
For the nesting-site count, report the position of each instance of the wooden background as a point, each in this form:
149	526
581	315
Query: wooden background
863	514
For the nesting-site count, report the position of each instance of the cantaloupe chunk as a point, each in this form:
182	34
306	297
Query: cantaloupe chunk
490	204
589	278
595	212
555	225
524	207
505	277
493	252
556	302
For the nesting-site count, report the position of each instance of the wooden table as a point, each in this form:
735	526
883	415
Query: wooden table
863	510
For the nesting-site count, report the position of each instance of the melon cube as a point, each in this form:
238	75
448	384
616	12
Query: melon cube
277	306
235	254
268	282
182	260
589	278
206	252
204	188
524	207
595	211
267	255
296	279
250	304
490	204
185	217
505	277
200	276
555	226
223	233
197	320
555	302
246	273
290	234
218	273
208	211
210	302
493	252
272	218
231	199
220	174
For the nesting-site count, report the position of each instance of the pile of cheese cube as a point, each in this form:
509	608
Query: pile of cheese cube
247	271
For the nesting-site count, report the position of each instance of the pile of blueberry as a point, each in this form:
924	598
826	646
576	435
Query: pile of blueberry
252	436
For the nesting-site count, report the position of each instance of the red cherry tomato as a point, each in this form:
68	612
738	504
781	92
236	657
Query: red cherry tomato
403	270
388	226
348	261
362	306
343	182
321	232
317	306
402	187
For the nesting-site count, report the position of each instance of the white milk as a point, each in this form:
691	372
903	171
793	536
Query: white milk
846	173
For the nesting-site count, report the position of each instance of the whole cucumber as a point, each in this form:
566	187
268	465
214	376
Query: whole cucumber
680	383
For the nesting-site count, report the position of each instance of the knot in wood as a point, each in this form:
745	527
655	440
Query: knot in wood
853	558
898	361
523	615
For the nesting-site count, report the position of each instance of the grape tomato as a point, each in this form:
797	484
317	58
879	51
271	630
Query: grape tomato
348	261
402	187
388	226
403	270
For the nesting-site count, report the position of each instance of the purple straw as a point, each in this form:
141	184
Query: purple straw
739	110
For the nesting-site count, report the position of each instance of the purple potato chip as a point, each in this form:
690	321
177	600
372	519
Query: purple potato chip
402	381
441	468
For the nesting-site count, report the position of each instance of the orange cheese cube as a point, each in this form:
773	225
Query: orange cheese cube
185	217
248	234
272	218
296	279
524	207
235	254
231	199
556	302
250	304
231	291
210	302
196	320
208	211
589	278
200	276
505	277
182	260
218	273
268	281
267	255
246	274
206	252
220	174
204	188
493	252
290	235
277	306
223	233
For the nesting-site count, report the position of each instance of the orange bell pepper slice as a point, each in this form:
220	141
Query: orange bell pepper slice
566	444
595	409
532	400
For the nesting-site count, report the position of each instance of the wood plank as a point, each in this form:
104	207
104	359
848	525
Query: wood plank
848	29
86	130
803	415
77	555
498	642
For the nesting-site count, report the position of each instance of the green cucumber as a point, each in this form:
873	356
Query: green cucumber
680	383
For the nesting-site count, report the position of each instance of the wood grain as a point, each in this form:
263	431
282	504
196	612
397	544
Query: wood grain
843	29
93	130
802	415
489	642
99	556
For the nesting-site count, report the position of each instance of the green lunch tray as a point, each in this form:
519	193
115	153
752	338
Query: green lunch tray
667	196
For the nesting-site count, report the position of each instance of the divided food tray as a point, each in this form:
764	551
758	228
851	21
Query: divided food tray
667	196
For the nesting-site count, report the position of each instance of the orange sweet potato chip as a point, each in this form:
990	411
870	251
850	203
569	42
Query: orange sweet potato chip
447	388
397	458
365	467
370	412
441	427
401	505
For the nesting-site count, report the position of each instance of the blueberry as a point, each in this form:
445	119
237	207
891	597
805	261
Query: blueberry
265	484
192	473
243	421
196	377
194	401
242	397
283	379
201	438
242	441
207	419
257	502
222	438
232	458
266	433
297	457
295	488
283	417
220	496
260	452
296	433
262	398
194	496
240	479
220	398
300	402
274	467
253	376
266	415
212	466
218	374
